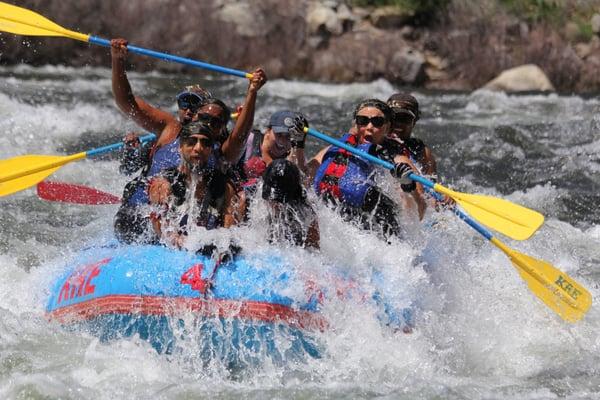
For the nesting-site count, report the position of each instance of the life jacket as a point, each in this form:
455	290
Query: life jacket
254	168
413	149
390	148
416	147
343	176
163	158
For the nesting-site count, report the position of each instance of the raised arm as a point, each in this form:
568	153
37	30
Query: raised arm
298	140
233	147
148	117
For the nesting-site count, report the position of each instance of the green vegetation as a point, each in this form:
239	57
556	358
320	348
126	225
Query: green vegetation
556	13
585	30
551	11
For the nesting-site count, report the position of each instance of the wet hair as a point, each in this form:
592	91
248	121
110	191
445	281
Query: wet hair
225	114
195	128
282	182
199	90
376	103
404	101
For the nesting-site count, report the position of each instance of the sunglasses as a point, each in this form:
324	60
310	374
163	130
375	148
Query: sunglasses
403	118
189	101
363	120
191	141
211	120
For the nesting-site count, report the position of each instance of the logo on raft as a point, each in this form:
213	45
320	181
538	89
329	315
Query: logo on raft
79	284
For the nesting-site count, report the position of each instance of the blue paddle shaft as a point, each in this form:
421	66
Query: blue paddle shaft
387	165
172	58
473	224
116	146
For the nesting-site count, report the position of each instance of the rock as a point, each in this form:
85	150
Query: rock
409	33
572	32
328	67
390	17
317	42
594	61
524	30
512	27
436	61
333	4
323	20
274	66
434	74
596	24
360	13
407	66
247	21
583	50
517	28
345	15
525	78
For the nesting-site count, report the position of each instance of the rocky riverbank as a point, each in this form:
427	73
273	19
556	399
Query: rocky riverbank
462	47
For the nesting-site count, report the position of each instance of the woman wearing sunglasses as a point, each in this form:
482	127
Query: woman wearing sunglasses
178	209
347	181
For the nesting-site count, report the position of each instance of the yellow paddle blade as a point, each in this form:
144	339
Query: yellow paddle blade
24	182
510	219
558	290
22	21
19	173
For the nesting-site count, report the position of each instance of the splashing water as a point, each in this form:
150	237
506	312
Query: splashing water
479	332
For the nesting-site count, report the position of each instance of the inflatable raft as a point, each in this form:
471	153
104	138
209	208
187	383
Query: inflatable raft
239	311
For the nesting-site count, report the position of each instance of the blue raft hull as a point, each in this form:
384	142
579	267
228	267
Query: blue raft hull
235	313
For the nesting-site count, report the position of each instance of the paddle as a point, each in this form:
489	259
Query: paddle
512	220
22	172
22	21
556	289
74	194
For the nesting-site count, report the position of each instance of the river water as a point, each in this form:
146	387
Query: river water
480	333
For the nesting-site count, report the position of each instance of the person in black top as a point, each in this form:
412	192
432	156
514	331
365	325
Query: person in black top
196	193
406	114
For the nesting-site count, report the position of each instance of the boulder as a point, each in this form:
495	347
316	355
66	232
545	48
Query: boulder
390	17
247	21
572	32
595	22
583	50
407	66
436	61
525	78
322	20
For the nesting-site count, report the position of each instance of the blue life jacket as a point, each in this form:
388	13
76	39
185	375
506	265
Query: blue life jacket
165	157
344	176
